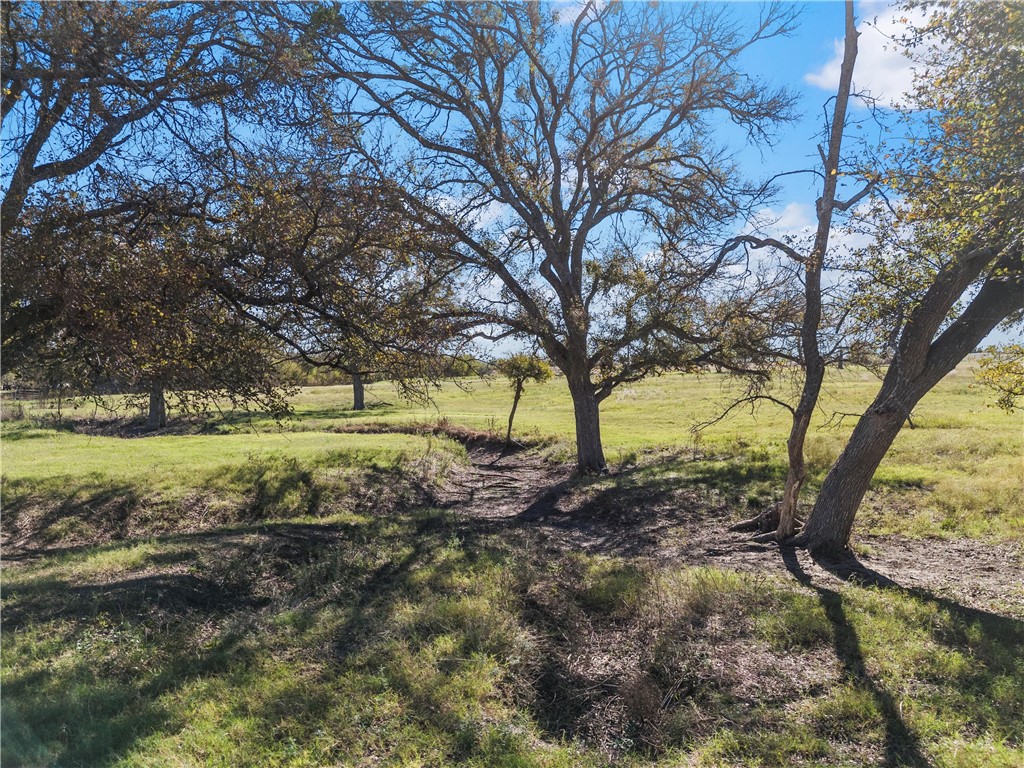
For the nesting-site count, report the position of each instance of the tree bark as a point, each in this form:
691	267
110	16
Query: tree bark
358	392
828	528
512	415
814	364
796	473
589	451
157	407
917	368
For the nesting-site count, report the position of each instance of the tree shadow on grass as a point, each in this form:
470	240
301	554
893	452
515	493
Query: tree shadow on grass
50	515
387	583
122	642
902	746
638	511
54	514
346	412
94	705
89	710
993	639
139	597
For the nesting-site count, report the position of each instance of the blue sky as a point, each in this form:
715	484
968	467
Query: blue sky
808	64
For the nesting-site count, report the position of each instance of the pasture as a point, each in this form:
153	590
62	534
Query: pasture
391	588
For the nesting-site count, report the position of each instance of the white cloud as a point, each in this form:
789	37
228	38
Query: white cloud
795	220
569	10
882	71
795	224
482	214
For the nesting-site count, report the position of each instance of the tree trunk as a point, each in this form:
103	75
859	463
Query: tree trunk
512	415
814	364
828	528
358	392
589	452
157	407
795	476
917	367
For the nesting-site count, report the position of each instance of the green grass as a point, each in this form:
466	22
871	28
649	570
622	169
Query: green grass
957	473
253	594
413	640
180	463
80	488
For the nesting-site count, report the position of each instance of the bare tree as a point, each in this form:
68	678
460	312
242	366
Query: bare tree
573	163
812	358
86	80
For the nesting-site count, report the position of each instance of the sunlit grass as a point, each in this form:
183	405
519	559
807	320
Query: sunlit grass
178	462
258	594
453	659
77	488
957	471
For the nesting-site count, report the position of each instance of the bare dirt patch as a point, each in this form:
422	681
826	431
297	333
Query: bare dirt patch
675	523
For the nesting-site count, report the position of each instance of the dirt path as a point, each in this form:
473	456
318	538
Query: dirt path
674	523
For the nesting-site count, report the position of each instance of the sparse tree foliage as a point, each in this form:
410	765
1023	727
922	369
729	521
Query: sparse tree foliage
519	369
811	356
334	266
1002	369
122	82
574	165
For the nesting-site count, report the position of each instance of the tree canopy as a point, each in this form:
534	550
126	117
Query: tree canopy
948	263
575	165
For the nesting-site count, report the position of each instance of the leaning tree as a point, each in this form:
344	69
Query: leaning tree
573	160
948	263
820	329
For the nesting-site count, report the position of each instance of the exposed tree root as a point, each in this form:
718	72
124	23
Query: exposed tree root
766	521
765	527
773	536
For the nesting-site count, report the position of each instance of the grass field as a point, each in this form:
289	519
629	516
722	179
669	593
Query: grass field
252	594
958	472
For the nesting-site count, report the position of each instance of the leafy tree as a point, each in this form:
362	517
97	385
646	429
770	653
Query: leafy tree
107	106
519	369
575	165
1002	369
132	309
330	263
947	264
